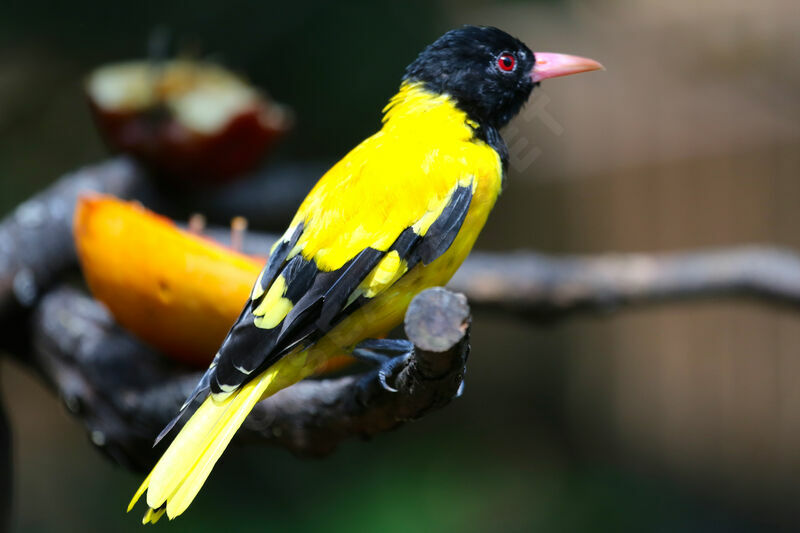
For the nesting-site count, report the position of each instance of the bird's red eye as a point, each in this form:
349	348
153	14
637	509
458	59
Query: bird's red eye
506	62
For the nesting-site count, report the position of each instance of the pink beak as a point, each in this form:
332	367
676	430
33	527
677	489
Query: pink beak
549	65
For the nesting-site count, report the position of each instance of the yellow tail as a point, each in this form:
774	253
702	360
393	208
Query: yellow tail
180	473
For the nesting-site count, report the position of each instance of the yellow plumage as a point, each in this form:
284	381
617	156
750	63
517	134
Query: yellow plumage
402	177
274	307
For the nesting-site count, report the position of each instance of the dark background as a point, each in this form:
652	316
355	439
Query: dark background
682	416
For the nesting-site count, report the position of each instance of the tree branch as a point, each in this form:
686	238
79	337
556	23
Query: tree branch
543	286
551	287
125	393
36	238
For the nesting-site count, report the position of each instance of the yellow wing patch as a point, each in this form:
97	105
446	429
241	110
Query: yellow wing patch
385	273
274	307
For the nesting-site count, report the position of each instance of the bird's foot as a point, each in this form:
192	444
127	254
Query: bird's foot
374	351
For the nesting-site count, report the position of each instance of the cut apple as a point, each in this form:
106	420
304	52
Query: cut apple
187	120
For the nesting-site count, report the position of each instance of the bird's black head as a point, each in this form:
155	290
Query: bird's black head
489	73
486	71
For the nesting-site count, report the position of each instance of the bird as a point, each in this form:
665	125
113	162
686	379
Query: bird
396	215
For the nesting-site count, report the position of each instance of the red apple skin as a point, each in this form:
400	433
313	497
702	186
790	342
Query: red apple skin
176	153
142	118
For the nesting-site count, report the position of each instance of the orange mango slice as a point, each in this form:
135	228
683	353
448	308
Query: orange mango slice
177	291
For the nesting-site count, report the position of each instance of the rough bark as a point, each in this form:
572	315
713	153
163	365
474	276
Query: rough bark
124	392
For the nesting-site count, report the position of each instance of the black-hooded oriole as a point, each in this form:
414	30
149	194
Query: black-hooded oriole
396	215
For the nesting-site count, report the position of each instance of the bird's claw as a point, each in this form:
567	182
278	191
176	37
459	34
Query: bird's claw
369	352
387	369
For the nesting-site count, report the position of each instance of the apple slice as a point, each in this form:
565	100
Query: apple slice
189	121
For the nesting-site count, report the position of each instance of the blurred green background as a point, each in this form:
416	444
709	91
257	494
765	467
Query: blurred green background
678	417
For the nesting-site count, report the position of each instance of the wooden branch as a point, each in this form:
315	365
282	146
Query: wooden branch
36	238
551	287
125	393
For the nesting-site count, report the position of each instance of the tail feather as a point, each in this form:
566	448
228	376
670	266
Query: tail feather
187	463
246	400
139	492
152	515
183	452
202	387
